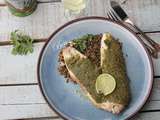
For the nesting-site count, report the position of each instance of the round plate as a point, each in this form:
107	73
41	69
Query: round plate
66	98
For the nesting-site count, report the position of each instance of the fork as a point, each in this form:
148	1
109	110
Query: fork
152	51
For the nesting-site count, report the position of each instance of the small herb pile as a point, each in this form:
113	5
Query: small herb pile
22	44
89	46
81	43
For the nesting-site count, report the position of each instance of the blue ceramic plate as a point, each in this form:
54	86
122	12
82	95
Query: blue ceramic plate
66	98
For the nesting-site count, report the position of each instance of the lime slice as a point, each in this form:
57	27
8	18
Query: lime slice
105	84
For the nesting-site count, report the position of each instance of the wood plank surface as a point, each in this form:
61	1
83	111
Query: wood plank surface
25	111
18	69
39	25
14	95
49	16
30	94
147	116
20	96
144	13
28	98
140	116
42	110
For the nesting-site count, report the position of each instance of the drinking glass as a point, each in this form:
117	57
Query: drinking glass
21	8
74	8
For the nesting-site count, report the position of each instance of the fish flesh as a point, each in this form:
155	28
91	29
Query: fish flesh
113	63
84	72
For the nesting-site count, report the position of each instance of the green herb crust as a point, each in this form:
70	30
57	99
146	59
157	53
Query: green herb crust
114	64
86	72
81	43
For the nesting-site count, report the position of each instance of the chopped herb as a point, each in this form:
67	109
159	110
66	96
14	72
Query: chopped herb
22	44
81	43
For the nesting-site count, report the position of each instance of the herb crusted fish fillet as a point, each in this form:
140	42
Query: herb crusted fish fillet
85	73
113	63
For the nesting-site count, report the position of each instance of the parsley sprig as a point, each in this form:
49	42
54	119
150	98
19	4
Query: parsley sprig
81	43
22	44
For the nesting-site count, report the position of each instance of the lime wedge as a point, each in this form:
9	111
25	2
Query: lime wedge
105	84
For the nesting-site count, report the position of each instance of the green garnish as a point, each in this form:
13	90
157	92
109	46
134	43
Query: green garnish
81	43
22	44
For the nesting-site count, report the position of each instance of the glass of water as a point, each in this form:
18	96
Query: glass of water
74	7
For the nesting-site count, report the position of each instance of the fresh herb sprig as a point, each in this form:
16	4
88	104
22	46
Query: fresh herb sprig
81	43
22	44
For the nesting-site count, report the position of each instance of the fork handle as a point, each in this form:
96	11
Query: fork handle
149	40
154	44
152	51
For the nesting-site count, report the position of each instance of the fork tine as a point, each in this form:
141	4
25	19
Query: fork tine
115	15
109	16
112	16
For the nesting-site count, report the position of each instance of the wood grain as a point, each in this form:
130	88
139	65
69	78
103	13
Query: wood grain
49	16
18	69
147	116
29	101
151	105
25	111
145	13
140	116
38	25
20	96
30	94
17	95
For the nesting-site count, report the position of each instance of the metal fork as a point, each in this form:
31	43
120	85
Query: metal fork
152	51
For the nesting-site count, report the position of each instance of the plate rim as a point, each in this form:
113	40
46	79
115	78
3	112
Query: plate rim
83	19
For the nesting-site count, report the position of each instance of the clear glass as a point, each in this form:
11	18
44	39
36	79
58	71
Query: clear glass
21	8
74	8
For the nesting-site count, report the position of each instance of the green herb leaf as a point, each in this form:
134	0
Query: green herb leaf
22	44
81	43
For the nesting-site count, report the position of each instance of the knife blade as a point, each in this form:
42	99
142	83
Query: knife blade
119	11
124	17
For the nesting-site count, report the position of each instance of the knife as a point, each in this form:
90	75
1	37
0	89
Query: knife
124	17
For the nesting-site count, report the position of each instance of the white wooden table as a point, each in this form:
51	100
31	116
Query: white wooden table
20	96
